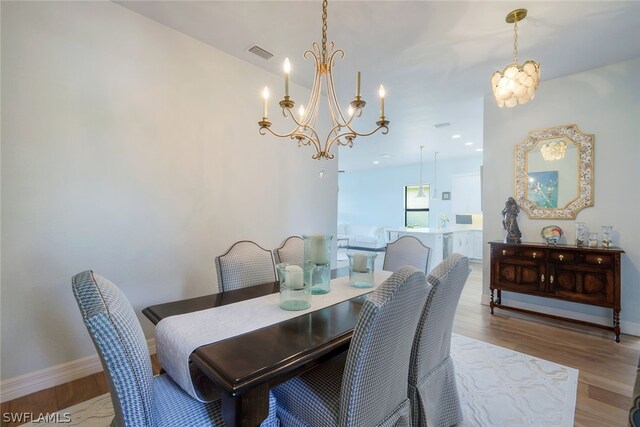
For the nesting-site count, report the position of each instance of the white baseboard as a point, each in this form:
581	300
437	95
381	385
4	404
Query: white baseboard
32	382
629	328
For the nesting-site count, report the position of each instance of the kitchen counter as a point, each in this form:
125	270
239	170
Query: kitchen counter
433	230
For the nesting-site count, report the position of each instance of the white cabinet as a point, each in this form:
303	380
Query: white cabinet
463	243
477	245
466	193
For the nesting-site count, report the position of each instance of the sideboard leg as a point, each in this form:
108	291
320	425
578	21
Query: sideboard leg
616	323
499	296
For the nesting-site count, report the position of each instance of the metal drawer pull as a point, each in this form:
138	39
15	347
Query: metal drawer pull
542	278
599	260
551	278
561	257
534	254
504	252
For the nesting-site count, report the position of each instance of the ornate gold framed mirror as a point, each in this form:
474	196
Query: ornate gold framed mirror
554	172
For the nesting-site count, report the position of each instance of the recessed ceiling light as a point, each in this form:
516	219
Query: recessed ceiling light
468	143
478	149
456	136
386	156
375	162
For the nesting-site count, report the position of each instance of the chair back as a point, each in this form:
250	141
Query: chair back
121	345
291	251
431	372
407	250
374	385
244	264
634	413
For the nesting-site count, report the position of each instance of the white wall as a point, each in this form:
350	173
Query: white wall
133	150
376	196
605	102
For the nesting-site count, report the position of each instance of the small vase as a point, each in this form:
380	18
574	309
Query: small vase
607	230
580	237
593	240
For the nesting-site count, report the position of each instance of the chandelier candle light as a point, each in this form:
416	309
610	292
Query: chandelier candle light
516	84
304	130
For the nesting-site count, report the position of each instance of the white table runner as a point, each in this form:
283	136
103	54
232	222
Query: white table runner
178	336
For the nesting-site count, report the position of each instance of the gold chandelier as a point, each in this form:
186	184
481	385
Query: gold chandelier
304	130
516	84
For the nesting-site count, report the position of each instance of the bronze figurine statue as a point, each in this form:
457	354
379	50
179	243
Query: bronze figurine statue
510	221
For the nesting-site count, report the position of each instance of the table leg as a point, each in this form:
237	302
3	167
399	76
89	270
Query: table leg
248	409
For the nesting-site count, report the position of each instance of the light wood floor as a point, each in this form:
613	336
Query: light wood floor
607	369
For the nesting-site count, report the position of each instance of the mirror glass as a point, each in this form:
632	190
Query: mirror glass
554	172
552	166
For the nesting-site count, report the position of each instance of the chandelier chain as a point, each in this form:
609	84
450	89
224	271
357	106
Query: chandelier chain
324	31
515	42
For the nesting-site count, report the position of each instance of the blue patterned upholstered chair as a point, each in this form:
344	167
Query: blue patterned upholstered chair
407	250
432	380
291	251
634	414
244	264
139	398
366	386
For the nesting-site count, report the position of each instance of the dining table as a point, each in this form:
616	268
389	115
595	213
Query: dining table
245	367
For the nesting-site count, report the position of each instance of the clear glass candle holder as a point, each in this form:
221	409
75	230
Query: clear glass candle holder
361	265
607	231
317	262
593	240
580	234
295	293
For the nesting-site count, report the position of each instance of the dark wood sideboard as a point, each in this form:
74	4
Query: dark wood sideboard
566	272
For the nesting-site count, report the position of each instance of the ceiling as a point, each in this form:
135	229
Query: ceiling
435	58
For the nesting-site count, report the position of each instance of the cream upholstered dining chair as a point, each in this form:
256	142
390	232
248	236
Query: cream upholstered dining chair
432	379
291	251
634	413
407	250
139	398
244	264
367	385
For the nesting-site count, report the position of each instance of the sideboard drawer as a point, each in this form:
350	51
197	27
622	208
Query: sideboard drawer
599	259
534	253
561	257
522	253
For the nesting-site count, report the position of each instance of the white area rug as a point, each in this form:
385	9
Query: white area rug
498	387
501	387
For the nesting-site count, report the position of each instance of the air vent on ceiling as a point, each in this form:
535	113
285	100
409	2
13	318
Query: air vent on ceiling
341	171
260	52
442	125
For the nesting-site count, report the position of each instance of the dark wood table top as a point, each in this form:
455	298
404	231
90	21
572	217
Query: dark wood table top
246	366
273	353
277	352
156	313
